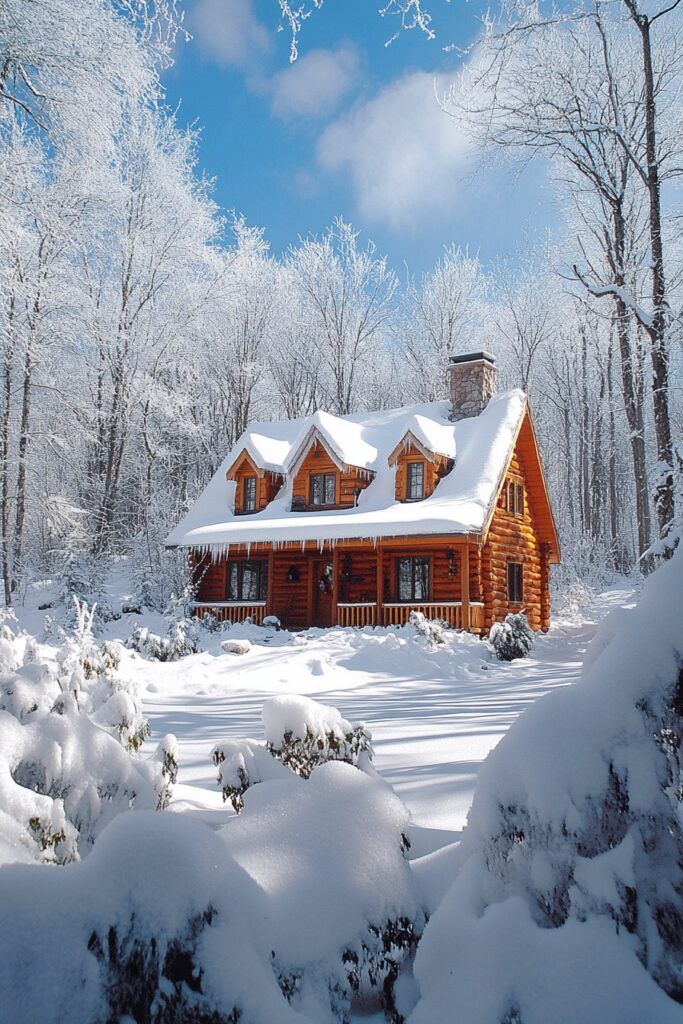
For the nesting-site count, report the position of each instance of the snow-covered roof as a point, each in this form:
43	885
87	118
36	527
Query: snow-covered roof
343	437
433	437
481	446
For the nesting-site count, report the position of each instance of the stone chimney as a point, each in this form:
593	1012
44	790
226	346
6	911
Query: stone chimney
471	382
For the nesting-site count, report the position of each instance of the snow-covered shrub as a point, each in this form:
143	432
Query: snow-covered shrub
272	622
567	899
431	629
241	764
303	734
346	912
300	735
168	922
66	743
512	638
182	640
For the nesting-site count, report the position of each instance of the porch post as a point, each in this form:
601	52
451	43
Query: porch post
335	583
269	590
379	596
465	585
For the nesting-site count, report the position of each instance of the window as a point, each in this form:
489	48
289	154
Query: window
412	579
249	494
416	481
515	582
323	489
515	498
248	581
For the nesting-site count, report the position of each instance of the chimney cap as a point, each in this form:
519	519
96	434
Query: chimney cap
472	357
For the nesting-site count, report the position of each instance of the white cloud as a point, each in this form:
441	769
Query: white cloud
407	159
314	85
229	32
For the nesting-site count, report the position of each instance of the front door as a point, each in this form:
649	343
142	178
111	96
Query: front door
322	593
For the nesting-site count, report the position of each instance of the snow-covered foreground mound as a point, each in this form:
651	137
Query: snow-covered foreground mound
568	901
281	916
561	903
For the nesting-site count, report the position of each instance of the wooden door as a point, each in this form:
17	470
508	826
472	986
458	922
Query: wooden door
323	570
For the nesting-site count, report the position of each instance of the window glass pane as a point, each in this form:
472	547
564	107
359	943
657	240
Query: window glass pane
405	579
233	582
421	579
250	581
263	581
250	492
329	489
415	479
316	490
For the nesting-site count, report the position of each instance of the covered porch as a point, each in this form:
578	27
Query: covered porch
351	585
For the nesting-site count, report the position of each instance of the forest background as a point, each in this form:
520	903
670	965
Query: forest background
142	327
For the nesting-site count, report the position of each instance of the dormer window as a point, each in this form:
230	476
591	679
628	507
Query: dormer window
249	494
323	488
416	481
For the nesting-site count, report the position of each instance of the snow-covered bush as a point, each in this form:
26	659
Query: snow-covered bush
431	629
168	921
512	638
300	735
303	734
182	640
241	764
567	900
66	743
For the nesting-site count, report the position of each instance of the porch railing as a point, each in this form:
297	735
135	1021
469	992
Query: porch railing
395	613
232	611
357	614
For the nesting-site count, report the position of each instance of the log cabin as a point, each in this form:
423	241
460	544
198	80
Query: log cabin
359	520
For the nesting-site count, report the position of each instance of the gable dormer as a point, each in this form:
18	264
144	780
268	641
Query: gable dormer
418	468
255	487
320	481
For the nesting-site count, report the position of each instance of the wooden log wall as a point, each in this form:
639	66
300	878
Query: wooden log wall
445	573
358	575
318	461
210	576
290	596
513	538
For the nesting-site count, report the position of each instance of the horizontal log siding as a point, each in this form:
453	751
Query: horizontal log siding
210	579
290	597
512	538
318	461
360	584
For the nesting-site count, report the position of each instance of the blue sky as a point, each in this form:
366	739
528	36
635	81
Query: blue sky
351	128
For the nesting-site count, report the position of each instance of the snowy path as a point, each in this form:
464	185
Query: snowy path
434	715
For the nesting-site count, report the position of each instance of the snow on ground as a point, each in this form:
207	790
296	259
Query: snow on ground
434	713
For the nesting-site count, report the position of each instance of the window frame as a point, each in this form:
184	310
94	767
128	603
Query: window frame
238	568
514	497
515	582
248	482
425	560
411	466
325	477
